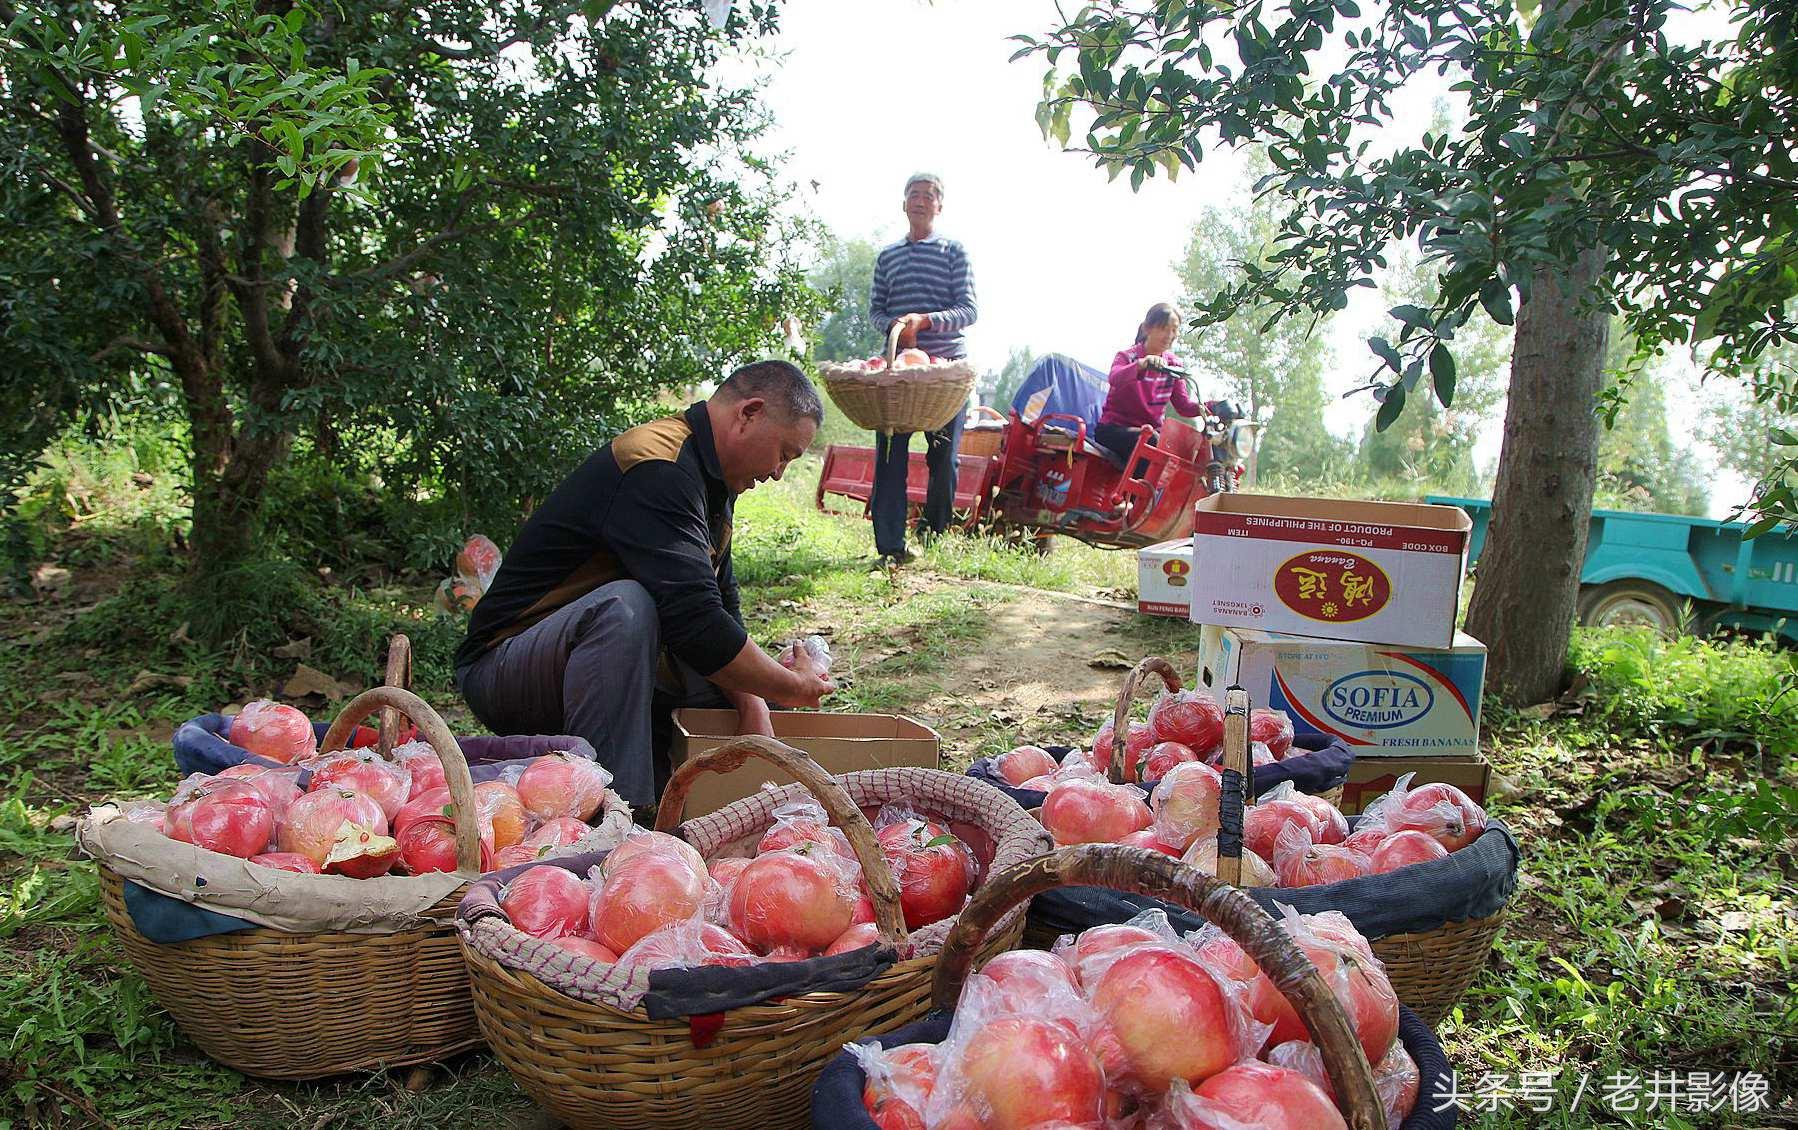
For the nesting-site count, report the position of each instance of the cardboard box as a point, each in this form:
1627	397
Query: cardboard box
1369	779
1380	572
840	743
1383	700
1163	587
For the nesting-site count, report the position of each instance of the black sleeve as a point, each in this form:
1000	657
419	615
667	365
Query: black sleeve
727	588
658	530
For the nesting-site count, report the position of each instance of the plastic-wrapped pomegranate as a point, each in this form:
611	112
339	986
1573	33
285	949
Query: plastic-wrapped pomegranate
547	902
501	809
313	821
790	900
273	730
934	869
366	772
560	784
1192	718
1273	727
232	819
286	861
1024	763
277	786
642	895
654	843
1083	811
1187	804
1252	1094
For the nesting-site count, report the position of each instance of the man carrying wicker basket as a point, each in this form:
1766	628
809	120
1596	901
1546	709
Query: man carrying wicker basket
924	284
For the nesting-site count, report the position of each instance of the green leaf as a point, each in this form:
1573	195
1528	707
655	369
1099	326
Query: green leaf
1495	297
1383	349
1442	374
1414	316
1390	407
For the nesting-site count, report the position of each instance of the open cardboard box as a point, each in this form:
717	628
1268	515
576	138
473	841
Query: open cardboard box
1370	777
841	743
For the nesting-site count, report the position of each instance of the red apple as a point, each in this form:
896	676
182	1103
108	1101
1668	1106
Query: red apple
1402	849
1187	804
273	730
931	870
1093	812
1192	718
547	902
642	895
1023	1072
789	900
1172	1018
1023	763
1272	727
561	784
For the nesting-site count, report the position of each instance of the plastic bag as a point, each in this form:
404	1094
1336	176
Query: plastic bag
1352	972
1438	810
1192	718
1249	1096
148	812
1024	977
547	902
560	784
1273	728
639	841
561	832
816	647
365	771
687	944
644	893
799	900
899	1081
1395	1078
273	730
1300	862
477	563
1330	826
279	786
1262	821
422	764
803	821
1090	810
1024	763
1256	872
935	870
1187	804
1089	952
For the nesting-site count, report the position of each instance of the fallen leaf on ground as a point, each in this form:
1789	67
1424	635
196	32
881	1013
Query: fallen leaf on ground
156	680
310	680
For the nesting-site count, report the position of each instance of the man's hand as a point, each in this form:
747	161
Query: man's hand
755	672
909	325
813	684
752	714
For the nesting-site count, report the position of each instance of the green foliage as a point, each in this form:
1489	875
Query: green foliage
567	219
1009	378
1748	427
1589	127
844	274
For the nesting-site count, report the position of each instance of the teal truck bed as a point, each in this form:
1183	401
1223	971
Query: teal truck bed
1675	573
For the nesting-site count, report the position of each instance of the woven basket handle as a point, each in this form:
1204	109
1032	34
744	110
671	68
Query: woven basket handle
1144	872
434	730
883	889
399	674
1239	785
893	344
1120	716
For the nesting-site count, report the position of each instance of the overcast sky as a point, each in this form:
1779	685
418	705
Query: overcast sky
866	92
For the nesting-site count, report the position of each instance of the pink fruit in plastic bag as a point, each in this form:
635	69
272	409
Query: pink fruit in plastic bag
586	947
932	871
1191	718
726	869
1172	1017
1093	945
1395	1078
1319	864
312	821
1256	872
642	895
1137	744
273	730
1402	849
1272	727
478	561
1186	804
1366	838
500	808
655	843
1330	826
1029	979
423	765
1261	824
787	900
1439	810
1026	1072
1021	764
899	1083
560	784
785	834
547	902
178	815
1093	812
428	844
367	773
419	805
286	861
1362	987
276	786
234	821
1150	840
1256	1094
1162	759
859	936
361	853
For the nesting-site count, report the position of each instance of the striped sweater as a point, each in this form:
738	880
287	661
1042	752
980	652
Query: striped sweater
930	276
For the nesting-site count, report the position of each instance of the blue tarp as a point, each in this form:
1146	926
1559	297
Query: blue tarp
1059	383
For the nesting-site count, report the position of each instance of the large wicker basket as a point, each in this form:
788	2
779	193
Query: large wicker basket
594	1065
922	398
280	1004
1429	969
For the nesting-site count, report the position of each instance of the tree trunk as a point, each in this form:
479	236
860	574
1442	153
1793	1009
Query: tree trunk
1528	584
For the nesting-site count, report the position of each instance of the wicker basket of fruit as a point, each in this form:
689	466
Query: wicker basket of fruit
1424	874
1247	1021
905	391
702	975
297	920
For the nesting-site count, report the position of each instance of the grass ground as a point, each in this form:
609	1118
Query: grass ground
1653	931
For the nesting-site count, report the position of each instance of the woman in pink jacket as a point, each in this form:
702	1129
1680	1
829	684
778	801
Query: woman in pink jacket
1141	385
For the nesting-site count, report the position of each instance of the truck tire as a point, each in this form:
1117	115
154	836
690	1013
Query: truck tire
1632	603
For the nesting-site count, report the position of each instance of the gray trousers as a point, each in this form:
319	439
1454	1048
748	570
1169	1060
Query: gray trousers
592	669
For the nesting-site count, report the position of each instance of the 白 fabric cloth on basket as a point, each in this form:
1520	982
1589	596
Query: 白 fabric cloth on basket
1324	765
837	1097
1474	882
